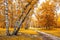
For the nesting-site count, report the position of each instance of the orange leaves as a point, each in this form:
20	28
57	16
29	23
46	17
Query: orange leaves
28	0
1	1
15	9
48	7
46	14
2	7
9	1
18	12
33	2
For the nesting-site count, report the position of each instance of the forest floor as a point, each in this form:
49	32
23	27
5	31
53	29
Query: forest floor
31	34
22	35
46	36
54	32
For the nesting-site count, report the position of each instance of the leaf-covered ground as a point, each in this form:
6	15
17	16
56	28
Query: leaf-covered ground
24	35
29	34
54	32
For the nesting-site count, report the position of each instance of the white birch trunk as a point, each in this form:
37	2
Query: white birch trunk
6	16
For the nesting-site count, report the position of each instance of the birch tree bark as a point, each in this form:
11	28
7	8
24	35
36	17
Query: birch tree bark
6	17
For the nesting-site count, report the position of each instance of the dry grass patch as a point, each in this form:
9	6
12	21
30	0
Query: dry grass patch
26	35
55	31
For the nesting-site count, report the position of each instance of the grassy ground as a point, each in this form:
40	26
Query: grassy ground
27	34
20	37
29	31
55	31
24	35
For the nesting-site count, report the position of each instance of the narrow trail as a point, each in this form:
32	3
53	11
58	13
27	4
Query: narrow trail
46	36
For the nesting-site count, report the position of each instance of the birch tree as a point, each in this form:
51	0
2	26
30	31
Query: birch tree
25	13
6	17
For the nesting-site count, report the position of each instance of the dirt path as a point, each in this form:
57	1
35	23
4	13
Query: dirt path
46	36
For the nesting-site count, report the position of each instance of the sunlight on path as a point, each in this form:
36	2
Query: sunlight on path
46	36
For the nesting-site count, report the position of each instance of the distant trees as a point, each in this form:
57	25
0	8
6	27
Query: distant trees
46	18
